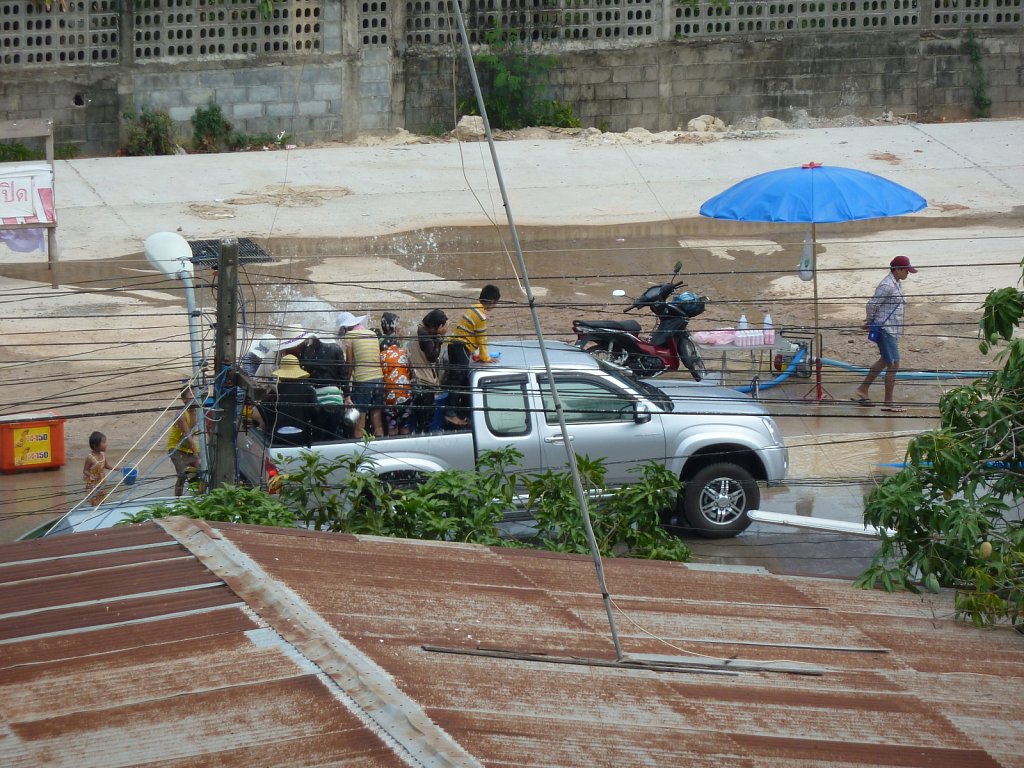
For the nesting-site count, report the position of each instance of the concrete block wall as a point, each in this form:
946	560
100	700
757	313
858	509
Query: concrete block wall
303	101
85	104
354	82
662	86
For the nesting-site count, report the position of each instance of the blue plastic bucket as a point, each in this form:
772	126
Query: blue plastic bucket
130	475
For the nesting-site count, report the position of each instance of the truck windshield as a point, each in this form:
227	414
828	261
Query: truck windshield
649	391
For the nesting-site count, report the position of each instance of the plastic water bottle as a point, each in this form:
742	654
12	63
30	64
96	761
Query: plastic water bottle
769	331
743	323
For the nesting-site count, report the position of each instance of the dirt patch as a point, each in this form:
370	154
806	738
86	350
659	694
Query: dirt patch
886	157
211	211
287	196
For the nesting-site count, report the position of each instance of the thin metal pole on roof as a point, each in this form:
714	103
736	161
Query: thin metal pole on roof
581	496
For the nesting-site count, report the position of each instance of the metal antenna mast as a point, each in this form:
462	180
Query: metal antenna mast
581	496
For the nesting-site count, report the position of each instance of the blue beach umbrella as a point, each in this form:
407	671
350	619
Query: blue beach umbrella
813	194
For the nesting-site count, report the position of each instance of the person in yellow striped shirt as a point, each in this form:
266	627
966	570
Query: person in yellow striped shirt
468	341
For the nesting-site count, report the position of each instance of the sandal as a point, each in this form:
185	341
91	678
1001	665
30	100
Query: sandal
861	401
894	408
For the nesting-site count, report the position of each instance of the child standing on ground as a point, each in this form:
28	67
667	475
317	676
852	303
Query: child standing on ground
96	469
182	442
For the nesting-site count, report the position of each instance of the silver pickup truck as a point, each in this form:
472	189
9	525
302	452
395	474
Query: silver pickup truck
719	442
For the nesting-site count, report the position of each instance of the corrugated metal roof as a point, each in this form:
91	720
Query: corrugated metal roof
120	648
311	649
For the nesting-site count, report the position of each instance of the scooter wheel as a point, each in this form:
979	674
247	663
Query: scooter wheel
606	352
693	360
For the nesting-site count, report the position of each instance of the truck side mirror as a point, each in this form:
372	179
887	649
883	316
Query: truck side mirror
641	413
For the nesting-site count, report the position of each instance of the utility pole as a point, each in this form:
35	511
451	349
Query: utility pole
222	446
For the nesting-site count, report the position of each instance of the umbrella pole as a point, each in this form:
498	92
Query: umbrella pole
820	393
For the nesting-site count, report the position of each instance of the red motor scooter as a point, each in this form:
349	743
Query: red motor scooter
669	346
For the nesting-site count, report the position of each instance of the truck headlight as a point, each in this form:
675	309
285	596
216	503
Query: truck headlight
773	429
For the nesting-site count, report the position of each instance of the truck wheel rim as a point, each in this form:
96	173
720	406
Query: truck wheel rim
722	501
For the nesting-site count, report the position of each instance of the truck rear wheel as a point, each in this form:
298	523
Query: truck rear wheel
403	479
715	501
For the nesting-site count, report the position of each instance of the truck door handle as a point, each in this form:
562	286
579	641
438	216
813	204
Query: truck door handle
556	439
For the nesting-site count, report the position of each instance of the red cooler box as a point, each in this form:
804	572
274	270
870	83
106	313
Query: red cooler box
31	441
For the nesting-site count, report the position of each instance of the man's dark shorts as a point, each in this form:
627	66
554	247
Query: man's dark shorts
888	347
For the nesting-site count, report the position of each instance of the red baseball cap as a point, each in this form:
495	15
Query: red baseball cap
901	262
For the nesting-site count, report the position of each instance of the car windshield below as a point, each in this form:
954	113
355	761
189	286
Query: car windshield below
649	391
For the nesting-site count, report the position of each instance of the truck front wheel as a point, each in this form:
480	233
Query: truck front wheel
715	501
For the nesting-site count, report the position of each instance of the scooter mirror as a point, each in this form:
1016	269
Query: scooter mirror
618	292
677	267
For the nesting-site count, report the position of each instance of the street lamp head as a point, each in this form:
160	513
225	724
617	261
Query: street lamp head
170	253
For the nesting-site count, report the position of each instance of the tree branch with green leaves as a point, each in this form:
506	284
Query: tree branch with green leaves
956	508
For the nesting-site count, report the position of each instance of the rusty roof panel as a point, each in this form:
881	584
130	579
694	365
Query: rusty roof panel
749	703
103	613
978	704
93	541
392	597
119	648
782	751
141	632
235	683
24	591
58	566
943	646
130	677
213	727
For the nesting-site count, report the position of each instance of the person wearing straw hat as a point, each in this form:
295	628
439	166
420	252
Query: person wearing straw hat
292	417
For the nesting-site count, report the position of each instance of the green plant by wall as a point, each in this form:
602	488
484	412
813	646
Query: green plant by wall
16	152
247	142
514	86
210	129
150	132
265	7
982	102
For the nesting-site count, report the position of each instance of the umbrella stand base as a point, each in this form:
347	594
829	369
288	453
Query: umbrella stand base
818	392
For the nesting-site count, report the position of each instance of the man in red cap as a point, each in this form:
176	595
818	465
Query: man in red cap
885	310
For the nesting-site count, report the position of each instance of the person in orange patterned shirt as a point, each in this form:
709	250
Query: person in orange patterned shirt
394	361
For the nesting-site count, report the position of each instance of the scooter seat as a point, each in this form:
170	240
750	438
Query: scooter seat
629	326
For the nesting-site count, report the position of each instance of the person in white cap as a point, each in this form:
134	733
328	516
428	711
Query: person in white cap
259	350
885	310
362	351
